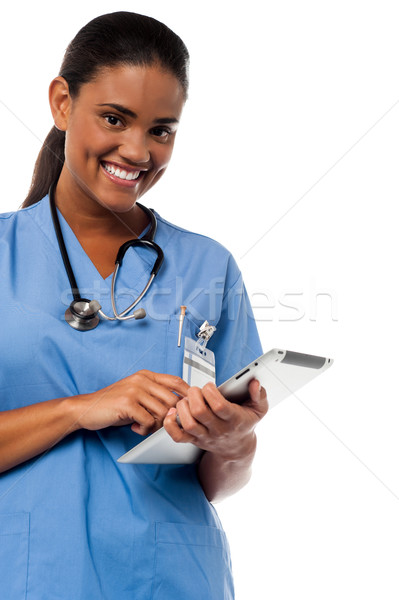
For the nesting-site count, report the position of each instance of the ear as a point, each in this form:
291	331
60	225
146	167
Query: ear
60	102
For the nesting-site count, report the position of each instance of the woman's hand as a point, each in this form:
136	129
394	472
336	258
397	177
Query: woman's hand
225	430
214	424
142	400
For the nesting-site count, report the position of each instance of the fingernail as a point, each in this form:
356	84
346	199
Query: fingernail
171	411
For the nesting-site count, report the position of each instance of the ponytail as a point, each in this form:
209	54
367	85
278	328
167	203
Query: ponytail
48	166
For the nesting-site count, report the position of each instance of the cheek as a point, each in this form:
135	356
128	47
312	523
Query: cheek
162	156
84	141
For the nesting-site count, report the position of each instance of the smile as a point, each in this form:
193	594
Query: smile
121	173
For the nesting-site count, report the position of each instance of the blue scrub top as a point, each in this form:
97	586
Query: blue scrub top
74	523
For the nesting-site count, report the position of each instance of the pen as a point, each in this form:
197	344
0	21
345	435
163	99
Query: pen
181	319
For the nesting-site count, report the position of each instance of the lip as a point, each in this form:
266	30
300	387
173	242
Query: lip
123	182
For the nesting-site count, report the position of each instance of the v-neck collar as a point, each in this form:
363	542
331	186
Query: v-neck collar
83	267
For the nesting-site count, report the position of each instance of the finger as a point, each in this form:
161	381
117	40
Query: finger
142	421
171	382
155	406
160	396
143	430
199	408
174	429
257	398
188	422
147	382
221	407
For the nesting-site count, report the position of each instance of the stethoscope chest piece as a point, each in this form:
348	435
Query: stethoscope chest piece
82	314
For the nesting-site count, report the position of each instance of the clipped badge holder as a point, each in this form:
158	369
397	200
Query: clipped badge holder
199	361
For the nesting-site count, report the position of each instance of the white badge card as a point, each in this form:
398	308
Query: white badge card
198	364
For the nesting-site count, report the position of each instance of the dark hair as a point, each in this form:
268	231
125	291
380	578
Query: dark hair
113	39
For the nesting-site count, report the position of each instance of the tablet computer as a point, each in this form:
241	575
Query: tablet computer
280	372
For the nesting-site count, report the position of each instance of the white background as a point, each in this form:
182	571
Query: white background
287	154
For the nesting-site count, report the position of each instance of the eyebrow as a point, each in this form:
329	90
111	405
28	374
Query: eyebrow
130	113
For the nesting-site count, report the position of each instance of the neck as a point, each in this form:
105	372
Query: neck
87	217
100	231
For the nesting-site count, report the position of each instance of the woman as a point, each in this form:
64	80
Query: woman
74	523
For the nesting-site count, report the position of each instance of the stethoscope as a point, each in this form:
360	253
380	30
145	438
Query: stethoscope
83	314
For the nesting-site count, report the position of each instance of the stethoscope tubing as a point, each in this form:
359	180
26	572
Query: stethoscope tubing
121	316
62	247
79	318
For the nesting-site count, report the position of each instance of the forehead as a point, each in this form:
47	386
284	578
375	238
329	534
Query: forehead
150	89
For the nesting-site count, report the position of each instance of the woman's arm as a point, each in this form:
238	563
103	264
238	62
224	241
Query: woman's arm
141	400
28	431
221	476
225	430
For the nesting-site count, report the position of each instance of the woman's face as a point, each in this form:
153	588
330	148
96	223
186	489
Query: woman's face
120	131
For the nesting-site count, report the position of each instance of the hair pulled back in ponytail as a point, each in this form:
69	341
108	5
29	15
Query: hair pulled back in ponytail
109	40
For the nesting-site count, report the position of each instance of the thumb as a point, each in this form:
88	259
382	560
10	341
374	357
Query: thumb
258	397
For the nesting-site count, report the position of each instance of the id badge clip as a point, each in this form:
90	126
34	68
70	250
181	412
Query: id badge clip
205	333
199	361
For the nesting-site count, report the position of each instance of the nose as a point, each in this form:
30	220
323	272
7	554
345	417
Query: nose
135	148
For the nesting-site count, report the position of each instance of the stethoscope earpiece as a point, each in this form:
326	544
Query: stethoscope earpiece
139	313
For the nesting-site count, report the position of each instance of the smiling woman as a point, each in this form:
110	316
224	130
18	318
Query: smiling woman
128	140
116	108
73	402
113	158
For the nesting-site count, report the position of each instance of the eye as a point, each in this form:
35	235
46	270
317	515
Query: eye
161	132
113	120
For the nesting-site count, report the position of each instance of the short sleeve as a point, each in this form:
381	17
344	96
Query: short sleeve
236	341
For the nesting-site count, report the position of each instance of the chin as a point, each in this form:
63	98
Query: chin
119	208
110	202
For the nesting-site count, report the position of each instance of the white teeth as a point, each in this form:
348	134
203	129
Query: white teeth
122	174
109	168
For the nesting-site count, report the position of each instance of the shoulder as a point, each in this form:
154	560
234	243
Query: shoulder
21	226
193	236
16	215
193	241
6	217
194	250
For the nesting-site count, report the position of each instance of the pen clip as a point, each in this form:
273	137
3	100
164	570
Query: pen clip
181	320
